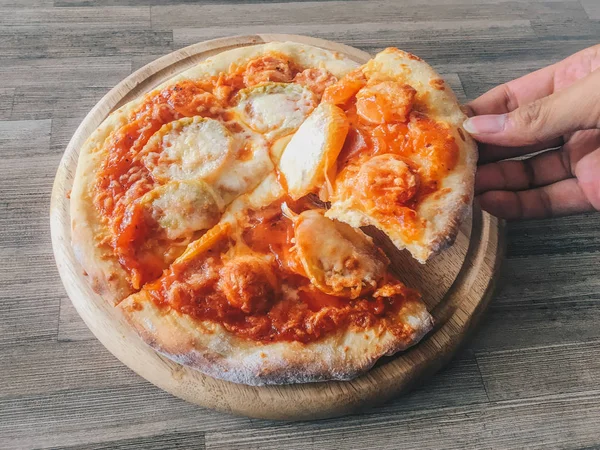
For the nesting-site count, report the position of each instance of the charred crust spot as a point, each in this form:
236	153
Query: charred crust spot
414	57
437	83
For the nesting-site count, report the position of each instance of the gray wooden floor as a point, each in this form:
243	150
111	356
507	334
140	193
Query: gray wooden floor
530	377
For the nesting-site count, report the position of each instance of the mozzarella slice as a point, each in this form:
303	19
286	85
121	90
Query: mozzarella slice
189	148
275	109
249	166
338	259
182	207
309	158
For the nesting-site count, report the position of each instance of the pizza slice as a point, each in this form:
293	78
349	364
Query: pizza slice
279	293
406	167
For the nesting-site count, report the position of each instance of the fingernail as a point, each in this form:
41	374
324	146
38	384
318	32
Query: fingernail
485	124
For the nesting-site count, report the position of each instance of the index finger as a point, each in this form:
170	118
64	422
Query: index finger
509	96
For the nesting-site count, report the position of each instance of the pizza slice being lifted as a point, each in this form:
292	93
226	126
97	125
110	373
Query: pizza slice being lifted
407	166
222	211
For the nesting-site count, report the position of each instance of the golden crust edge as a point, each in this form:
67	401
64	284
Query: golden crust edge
342	356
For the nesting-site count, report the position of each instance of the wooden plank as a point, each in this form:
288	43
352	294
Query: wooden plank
48	42
268	3
573	29
376	34
29	301
562	278
6	102
555	422
25	183
36	103
31	292
60	87
162	2
25	3
126	18
561	369
189	16
457	384
52	73
543	301
80	416
71	327
557	236
166	441
67	366
62	131
592	8
25	190
527	326
22	138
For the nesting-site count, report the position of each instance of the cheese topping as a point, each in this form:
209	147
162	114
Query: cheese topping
338	259
275	109
309	158
189	148
182	207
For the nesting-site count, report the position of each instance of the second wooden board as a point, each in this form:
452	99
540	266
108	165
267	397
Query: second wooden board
456	285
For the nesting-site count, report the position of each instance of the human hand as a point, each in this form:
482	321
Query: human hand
558	106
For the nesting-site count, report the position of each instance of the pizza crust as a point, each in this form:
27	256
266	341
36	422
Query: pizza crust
88	231
209	348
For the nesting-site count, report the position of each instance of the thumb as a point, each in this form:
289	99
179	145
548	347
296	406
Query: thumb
574	108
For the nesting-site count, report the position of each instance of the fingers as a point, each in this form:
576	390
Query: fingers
490	152
574	108
539	170
588	173
558	199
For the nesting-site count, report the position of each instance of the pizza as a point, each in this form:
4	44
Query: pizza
222	213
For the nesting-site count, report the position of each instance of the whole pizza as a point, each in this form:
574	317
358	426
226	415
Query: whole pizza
222	212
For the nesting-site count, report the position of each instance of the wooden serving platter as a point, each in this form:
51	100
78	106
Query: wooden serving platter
456	285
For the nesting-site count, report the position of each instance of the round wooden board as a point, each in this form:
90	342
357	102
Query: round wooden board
456	285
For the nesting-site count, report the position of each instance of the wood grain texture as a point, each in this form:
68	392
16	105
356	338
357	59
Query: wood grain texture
548	300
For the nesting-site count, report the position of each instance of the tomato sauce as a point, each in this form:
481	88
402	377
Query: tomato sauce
305	316
123	178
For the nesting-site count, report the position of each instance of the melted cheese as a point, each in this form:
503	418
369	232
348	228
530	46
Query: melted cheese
244	174
182	207
338	259
309	158
275	109
189	148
